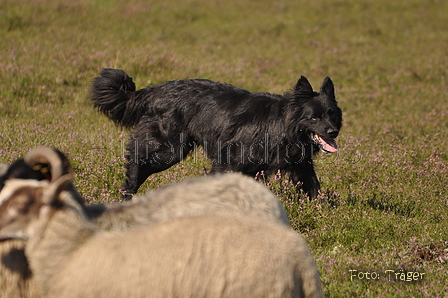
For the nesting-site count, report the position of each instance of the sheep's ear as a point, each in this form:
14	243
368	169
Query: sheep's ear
54	189
327	88
303	89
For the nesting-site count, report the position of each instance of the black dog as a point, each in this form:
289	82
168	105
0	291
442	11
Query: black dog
239	130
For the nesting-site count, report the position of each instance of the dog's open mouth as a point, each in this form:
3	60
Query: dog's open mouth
327	145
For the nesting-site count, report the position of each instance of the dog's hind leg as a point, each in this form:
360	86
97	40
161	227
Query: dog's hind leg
135	176
138	172
148	157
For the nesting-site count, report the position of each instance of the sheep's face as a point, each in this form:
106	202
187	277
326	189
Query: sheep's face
22	204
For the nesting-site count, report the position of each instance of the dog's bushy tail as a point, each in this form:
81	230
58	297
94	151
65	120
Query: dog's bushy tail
113	94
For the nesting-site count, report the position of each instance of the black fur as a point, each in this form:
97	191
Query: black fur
239	130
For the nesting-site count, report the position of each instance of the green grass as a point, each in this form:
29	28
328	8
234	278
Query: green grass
386	198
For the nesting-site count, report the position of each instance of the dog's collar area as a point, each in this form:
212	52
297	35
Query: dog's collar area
326	144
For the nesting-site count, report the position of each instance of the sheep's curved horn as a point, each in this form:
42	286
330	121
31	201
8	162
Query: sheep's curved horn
47	155
3	169
53	190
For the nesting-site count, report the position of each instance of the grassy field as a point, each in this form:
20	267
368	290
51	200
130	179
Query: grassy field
386	199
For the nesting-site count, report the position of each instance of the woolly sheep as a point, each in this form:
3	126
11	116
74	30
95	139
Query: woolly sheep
223	194
199	256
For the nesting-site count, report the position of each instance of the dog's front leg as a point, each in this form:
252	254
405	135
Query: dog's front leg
304	173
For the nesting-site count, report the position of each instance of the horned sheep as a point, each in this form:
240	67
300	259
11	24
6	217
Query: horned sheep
228	195
224	194
198	256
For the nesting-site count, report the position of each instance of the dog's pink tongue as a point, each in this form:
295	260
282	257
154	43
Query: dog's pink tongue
328	145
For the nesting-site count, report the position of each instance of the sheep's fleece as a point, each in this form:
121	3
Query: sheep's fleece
226	194
203	256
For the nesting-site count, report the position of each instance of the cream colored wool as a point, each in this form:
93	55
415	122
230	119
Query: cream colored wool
199	256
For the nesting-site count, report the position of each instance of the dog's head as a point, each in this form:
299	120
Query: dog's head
315	117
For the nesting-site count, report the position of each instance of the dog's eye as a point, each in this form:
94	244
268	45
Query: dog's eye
314	118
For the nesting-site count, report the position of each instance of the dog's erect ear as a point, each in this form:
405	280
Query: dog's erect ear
327	88
303	89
